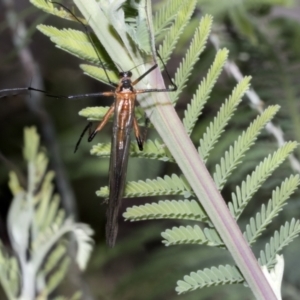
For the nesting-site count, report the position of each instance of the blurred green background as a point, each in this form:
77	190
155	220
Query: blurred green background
264	41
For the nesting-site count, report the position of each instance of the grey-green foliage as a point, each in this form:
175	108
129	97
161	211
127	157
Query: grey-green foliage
37	225
169	24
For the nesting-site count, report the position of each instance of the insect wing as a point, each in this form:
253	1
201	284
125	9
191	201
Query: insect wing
118	166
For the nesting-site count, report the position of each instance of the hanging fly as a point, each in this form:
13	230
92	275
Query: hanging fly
123	109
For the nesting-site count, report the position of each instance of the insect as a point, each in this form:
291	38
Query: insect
123	108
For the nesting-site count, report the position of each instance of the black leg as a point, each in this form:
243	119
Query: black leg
87	127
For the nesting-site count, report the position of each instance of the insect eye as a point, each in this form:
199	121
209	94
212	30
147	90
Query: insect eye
121	74
129	74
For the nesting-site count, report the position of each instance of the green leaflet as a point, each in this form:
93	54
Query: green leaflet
263	218
209	277
288	232
174	209
169	185
192	56
233	156
204	89
216	127
245	192
191	235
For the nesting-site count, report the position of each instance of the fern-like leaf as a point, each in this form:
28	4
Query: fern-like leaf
58	274
173	34
83	233
191	235
140	34
244	193
95	113
152	150
47	211
74	42
9	273
288	232
99	74
226	111
209	277
36	224
48	7
166	15
174	209
194	109
54	258
263	218
83	46
245	141
55	215
173	185
196	48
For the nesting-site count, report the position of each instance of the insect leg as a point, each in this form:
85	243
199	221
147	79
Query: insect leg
102	123
145	74
147	123
87	127
137	134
